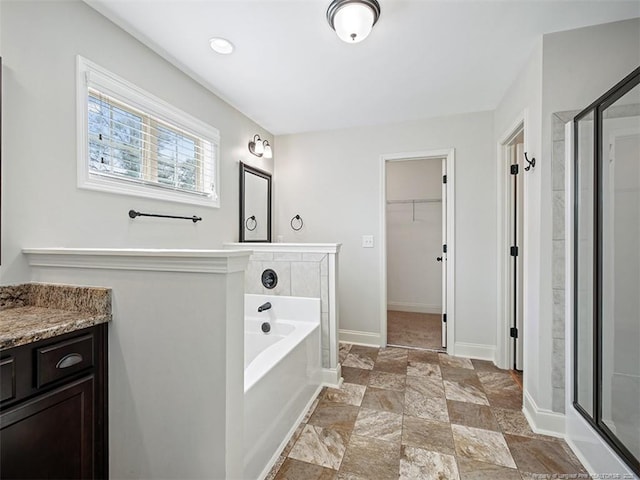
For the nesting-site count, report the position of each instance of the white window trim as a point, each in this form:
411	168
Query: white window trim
110	83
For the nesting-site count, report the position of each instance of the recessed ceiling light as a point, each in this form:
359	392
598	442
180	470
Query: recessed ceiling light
221	45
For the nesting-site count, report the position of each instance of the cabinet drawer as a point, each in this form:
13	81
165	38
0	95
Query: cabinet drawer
62	359
7	379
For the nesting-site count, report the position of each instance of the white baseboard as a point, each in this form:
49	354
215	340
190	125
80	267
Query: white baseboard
475	350
414	307
543	421
368	339
332	377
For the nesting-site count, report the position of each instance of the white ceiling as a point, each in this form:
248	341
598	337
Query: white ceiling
290	72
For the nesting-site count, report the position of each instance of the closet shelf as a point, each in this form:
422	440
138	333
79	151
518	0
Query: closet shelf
415	200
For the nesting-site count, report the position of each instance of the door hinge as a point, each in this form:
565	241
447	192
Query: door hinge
444	318
444	248
513	251
444	179
515	169
513	332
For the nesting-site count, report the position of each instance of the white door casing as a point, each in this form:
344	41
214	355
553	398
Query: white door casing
449	265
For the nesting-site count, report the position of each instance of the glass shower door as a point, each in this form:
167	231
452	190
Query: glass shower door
607	268
620	159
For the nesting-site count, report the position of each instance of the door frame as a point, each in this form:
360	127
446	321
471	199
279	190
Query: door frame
449	155
503	340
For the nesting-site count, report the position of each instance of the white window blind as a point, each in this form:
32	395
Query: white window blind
134	143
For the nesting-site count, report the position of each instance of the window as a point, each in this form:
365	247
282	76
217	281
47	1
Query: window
136	144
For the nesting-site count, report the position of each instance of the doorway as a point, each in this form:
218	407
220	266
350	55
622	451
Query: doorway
516	248
511	250
415	213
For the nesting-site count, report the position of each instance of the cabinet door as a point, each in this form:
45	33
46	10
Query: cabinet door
50	436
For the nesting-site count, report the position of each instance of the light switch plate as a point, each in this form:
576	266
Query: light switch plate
367	241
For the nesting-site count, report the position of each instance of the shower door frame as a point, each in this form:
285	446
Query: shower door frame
595	421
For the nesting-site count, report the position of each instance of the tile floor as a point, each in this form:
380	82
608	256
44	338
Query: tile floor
411	414
409	329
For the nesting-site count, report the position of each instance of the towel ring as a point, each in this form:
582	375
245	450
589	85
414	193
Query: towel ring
252	219
298	221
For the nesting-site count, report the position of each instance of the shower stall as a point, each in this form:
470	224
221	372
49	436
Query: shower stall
606	272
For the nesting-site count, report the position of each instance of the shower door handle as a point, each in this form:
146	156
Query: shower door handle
438	259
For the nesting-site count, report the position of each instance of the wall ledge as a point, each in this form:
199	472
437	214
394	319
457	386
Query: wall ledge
141	259
286	247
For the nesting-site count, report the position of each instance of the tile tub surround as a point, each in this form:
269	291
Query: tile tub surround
32	311
304	270
393	418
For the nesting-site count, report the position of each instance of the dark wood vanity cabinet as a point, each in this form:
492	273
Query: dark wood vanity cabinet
53	413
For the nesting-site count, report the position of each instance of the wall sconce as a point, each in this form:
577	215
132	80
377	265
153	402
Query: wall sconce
260	148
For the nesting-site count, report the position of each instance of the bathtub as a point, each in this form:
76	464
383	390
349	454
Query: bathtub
282	375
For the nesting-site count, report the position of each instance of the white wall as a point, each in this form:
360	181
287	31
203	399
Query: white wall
579	66
566	71
414	236
524	99
332	179
176	360
41	204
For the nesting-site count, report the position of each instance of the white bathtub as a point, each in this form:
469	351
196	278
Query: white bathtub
282	374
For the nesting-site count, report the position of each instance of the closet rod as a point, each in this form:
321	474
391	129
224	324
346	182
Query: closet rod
417	200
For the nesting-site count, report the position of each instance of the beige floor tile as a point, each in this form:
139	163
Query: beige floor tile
361	357
426	386
542	457
355	375
472	415
457	362
406	413
515	423
371	458
463	392
336	416
482	445
296	470
427	434
379	424
293	439
431	408
424	356
386	400
320	446
419	464
473	470
349	393
409	329
386	380
343	351
423	369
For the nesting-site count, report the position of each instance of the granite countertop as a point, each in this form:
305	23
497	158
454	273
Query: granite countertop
33	311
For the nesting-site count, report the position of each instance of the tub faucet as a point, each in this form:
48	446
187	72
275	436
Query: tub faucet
264	306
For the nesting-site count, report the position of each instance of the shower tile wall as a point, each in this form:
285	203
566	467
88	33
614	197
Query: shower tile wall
558	280
299	275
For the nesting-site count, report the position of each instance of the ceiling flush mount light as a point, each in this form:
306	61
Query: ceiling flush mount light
353	19
260	148
221	45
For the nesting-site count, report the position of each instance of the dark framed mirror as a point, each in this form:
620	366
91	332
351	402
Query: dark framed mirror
255	204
